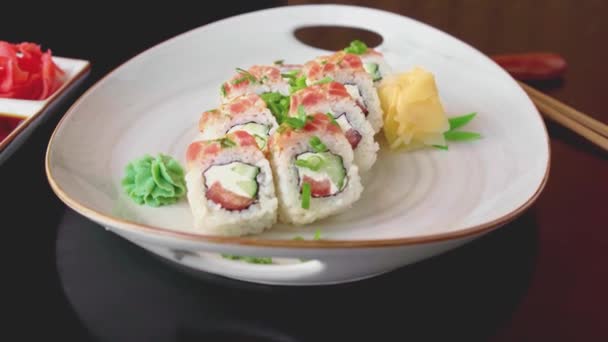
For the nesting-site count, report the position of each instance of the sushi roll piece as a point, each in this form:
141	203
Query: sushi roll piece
333	99
347	69
314	170
244	113
375	65
230	186
373	60
258	79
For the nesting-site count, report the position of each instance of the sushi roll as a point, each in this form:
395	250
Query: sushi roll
333	98
375	65
230	186
347	69
258	79
244	113
314	170
373	60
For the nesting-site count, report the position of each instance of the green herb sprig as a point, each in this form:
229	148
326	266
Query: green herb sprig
453	135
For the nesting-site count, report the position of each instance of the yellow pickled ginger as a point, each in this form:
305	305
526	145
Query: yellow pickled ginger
413	114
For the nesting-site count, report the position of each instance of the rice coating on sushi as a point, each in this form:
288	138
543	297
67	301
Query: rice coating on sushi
334	99
348	69
315	174
230	186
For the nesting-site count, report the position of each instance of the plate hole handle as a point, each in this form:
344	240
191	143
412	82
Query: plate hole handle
333	38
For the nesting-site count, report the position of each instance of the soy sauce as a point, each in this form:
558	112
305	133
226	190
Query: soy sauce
8	124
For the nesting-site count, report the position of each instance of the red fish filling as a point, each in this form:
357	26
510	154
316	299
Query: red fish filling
353	137
227	199
320	188
363	108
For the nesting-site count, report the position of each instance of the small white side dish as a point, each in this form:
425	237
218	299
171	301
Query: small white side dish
32	112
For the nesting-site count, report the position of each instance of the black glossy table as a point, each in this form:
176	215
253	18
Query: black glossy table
542	277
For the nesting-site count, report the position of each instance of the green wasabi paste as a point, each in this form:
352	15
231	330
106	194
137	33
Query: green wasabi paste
154	181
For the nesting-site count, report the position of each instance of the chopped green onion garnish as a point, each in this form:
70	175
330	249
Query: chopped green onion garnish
325	80
282	128
239	80
356	47
299	121
305	196
278	105
247	75
441	147
297	84
461	136
317	145
278	62
223	90
227	143
291	74
459	121
301	112
331	118
317	235
295	122
313	163
373	70
249	259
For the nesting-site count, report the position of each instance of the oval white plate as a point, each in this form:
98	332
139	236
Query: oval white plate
415	204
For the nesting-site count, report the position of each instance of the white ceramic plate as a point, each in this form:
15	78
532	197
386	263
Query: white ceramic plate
415	205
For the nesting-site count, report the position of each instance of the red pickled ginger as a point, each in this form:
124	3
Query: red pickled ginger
26	72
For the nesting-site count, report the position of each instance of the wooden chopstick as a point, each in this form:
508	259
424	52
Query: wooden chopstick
570	112
589	128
